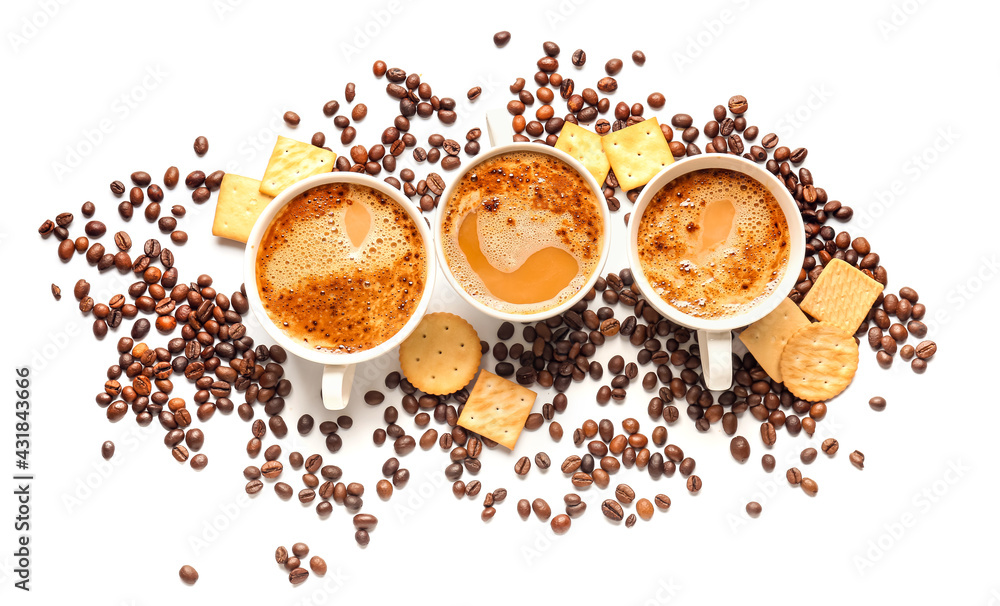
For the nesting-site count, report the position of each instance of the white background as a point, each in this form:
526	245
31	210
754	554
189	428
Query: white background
886	95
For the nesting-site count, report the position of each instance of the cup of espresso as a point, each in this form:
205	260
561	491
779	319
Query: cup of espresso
338	271
522	234
715	243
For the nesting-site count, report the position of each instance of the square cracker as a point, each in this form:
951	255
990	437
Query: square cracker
766	337
586	147
637	153
497	409
842	295
293	161
240	203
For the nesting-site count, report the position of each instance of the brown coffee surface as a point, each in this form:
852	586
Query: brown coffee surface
522	232
341	268
713	243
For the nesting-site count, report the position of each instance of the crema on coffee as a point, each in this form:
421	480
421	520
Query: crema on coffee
522	232
713	243
341	268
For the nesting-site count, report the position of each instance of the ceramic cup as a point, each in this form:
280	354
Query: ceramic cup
338	372
715	339
569	302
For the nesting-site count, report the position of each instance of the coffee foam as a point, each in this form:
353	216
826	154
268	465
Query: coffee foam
729	278
524	202
327	293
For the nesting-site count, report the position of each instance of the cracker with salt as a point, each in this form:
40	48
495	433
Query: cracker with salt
766	337
637	153
586	147
497	409
239	204
442	355
842	295
819	361
293	161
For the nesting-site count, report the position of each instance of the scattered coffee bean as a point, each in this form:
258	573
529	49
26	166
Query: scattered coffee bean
188	574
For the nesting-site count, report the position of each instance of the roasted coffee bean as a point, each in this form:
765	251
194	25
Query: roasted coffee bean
926	350
830	446
808	455
738	104
740	449
188	574
501	38
612	510
607	85
767	433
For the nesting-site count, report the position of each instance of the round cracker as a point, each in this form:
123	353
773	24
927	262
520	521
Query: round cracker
442	355
819	361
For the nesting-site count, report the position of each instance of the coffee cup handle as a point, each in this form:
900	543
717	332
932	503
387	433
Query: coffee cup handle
716	358
336	387
498	126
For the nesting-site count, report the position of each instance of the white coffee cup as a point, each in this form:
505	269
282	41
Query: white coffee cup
715	339
595	190
338	373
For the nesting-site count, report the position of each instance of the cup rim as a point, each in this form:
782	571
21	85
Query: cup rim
602	208
250	274
796	230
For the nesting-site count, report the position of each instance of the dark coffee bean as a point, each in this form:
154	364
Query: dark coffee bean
501	38
740	449
200	146
612	510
